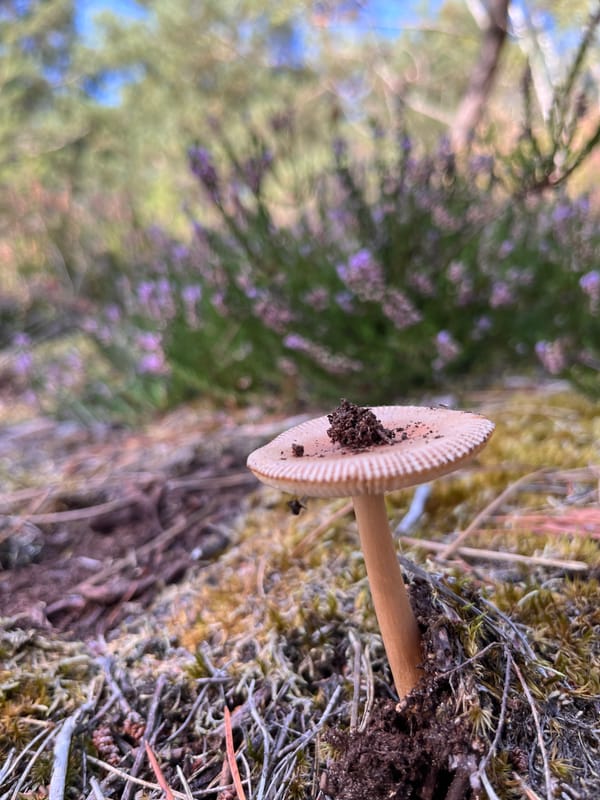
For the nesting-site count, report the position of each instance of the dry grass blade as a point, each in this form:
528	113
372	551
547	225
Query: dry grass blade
31	763
128	778
539	732
237	781
96	789
184	783
267	741
501	716
6	768
451	548
488	786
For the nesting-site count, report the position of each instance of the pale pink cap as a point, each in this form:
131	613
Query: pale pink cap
429	442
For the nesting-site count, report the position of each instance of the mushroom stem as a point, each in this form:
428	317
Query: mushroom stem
397	623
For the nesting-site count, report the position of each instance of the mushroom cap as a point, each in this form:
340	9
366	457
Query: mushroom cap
429	442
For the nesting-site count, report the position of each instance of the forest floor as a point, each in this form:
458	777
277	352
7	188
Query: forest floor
169	626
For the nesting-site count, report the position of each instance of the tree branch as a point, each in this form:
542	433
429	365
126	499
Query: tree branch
472	106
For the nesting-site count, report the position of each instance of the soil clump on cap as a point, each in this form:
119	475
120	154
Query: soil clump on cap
357	428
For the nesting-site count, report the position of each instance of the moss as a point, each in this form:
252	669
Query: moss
44	678
286	613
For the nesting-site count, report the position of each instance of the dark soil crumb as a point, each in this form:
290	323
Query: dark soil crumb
357	428
298	450
295	506
420	749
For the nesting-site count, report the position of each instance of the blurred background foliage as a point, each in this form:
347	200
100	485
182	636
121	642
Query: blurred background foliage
294	200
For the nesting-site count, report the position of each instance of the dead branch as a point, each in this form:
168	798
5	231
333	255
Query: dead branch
496	555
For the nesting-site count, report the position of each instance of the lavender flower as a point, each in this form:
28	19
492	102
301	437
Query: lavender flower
23	364
144	292
501	294
552	356
21	340
202	166
23	360
399	310
113	313
506	248
190	296
255	169
180	253
294	341
481	164
562	212
363	276
421	283
156	299
218	302
152	364
150	342
590	283
152	358
332	362
462	283
317	298
447	349
481	327
273	314
345	301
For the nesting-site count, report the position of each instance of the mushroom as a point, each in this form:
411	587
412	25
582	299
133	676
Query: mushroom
417	444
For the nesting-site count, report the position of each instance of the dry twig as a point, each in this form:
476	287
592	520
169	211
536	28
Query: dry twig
62	747
496	555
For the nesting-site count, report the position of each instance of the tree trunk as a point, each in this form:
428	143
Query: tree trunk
471	107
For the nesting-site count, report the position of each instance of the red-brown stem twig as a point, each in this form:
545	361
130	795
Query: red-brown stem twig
162	782
233	767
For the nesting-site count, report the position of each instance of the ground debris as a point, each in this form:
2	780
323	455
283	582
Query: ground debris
126	514
470	717
278	628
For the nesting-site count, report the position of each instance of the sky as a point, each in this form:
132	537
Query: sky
86	10
384	16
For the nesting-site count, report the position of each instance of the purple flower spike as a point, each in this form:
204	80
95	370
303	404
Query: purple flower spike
202	166
562	212
191	294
